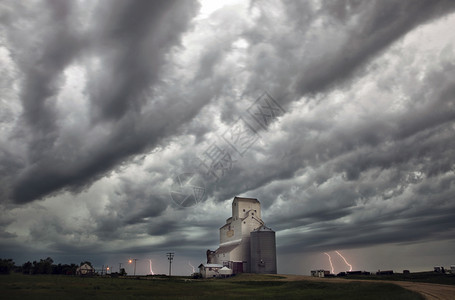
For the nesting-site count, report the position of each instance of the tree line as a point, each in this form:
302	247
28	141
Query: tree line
43	266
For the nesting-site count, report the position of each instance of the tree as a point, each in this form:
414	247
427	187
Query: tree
70	269
47	268
57	269
27	268
64	269
6	266
44	266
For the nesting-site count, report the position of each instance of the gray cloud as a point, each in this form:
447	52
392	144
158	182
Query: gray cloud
103	106
131	47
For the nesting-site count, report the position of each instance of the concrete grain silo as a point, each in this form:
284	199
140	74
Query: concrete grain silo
246	244
263	251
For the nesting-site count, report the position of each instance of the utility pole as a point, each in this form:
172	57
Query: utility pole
170	257
130	261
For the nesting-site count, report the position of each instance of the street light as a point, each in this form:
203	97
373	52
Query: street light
130	261
170	257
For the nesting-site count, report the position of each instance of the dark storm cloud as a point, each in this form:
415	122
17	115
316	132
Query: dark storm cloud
131	39
4	222
379	24
338	169
133	208
225	30
373	180
422	132
420	210
41	56
162	227
179	243
329	45
6	235
385	229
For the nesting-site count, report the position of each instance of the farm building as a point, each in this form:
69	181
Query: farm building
320	273
85	269
246	244
214	270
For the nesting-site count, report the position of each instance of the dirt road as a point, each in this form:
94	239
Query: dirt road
429	290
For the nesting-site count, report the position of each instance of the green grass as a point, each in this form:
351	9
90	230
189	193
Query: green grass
18	286
430	277
254	277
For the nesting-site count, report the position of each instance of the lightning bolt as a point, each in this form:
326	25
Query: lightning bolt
151	271
350	266
330	260
191	265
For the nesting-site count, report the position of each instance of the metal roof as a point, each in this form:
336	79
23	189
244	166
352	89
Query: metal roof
262	228
246	199
211	265
226	249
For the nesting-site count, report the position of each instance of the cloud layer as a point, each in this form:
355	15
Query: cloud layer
103	105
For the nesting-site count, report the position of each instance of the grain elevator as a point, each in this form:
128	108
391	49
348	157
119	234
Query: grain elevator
246	244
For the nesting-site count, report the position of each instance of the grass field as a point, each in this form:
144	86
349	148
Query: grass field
17	286
430	277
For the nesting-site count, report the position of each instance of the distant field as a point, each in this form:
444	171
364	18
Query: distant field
430	277
18	286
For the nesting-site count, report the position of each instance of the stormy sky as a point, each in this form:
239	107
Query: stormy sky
127	128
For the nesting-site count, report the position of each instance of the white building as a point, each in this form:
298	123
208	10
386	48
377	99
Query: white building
225	272
85	269
236	250
210	270
319	273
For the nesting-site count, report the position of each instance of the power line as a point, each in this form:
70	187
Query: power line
170	257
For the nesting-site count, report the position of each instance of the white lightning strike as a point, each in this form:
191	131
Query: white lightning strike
151	271
350	266
191	265
330	260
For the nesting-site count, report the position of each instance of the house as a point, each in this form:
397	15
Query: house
85	269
